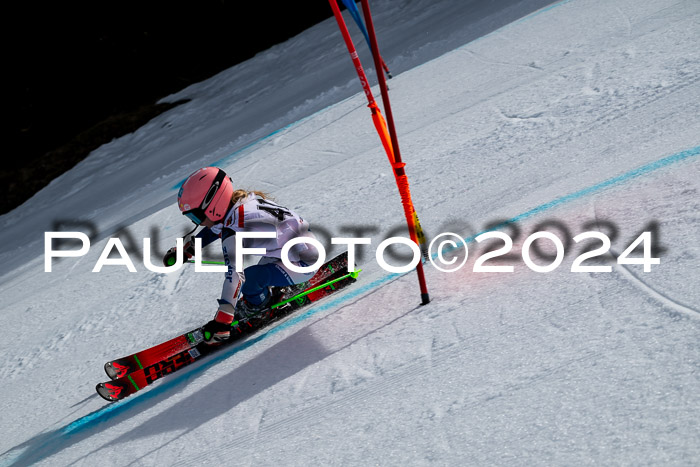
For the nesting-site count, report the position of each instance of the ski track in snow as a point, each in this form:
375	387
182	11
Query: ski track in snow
586	110
660	296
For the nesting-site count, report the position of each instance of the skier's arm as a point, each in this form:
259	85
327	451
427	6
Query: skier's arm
207	236
233	280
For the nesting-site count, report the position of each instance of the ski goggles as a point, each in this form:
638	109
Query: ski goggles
198	215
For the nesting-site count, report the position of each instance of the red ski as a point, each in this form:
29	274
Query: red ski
140	360
132	382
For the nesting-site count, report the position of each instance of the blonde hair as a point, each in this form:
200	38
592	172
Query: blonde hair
240	194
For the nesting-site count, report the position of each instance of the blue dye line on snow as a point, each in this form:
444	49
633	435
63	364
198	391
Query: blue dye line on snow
643	170
117	408
638	172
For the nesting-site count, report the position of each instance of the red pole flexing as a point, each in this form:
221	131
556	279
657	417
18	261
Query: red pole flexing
390	141
382	80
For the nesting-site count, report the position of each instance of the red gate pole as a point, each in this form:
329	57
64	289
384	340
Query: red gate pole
391	143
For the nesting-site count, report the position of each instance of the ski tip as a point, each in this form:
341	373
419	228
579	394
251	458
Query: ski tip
111	371
116	369
109	391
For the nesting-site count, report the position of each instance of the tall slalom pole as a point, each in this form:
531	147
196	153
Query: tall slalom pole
355	13
389	140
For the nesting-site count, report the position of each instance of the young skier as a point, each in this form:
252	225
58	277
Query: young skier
208	198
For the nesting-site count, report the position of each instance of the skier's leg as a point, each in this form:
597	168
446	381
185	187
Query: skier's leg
270	272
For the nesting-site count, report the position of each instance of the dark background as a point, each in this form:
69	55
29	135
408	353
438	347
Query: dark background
84	73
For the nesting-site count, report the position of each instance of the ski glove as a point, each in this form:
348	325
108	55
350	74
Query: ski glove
219	329
216	332
171	255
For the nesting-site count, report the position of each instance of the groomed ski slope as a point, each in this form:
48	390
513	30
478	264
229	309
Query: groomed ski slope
583	115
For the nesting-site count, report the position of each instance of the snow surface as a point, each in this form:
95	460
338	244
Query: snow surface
584	114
